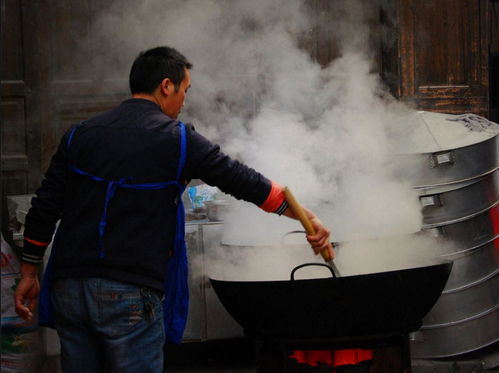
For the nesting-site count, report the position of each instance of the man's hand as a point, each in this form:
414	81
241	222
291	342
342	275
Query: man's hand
27	291
319	241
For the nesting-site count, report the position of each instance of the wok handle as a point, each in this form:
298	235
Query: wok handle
311	264
305	221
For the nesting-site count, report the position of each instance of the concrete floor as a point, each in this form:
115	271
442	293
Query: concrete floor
52	365
235	356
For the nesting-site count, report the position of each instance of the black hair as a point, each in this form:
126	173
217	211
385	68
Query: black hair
152	66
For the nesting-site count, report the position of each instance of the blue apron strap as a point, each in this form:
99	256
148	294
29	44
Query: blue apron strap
183	150
81	172
71	134
176	302
110	192
112	186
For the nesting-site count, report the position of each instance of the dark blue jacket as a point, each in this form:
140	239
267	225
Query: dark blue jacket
135	141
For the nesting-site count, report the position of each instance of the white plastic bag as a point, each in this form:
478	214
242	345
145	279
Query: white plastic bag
22	346
10	278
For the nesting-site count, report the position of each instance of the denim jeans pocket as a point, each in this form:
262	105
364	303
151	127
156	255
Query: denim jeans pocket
67	301
122	308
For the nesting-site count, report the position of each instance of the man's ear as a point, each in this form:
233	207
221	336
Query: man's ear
166	86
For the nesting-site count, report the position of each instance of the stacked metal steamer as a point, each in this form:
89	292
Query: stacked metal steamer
458	181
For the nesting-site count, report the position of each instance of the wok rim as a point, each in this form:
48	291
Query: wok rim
372	274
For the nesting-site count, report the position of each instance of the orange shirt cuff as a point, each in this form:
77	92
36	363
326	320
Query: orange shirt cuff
36	243
275	198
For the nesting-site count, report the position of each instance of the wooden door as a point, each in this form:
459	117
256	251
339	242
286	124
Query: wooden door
48	82
20	138
439	62
70	87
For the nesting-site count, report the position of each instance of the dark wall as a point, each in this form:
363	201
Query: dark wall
494	61
494	26
20	145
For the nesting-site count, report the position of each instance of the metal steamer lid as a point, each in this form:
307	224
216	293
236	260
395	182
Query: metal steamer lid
444	149
437	132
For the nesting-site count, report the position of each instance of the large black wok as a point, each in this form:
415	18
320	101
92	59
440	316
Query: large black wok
361	305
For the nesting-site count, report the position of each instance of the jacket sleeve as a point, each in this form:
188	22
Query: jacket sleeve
207	162
46	207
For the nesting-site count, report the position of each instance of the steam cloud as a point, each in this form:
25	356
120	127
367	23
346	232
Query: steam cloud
328	133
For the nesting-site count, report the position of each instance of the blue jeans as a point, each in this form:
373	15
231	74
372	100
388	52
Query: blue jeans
107	325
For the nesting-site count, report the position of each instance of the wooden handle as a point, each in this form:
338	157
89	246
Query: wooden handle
298	211
300	214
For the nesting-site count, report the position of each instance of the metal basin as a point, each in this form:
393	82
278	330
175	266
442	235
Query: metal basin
456	338
473	264
456	205
476	230
454	165
464	303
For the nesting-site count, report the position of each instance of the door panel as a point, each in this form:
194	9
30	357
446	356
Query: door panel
14	132
443	54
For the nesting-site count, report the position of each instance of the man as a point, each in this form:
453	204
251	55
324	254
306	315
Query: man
115	184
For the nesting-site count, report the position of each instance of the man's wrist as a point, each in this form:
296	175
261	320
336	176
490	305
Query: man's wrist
29	270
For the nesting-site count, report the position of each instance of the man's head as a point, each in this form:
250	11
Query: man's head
162	75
